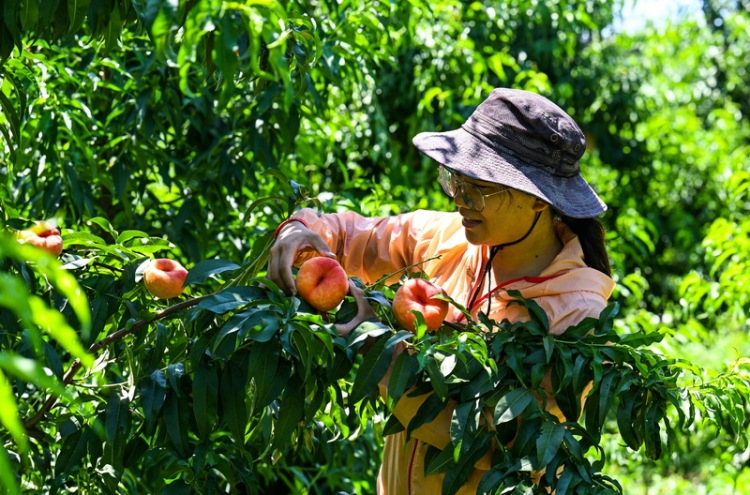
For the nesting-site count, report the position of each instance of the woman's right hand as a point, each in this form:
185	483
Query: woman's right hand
293	239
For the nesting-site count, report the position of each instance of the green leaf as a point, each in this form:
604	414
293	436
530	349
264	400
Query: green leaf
304	345
457	476
205	402
592	415
116	417
606	320
176	422
372	370
549	347
229	299
403	375
269	373
439	461
233	390
116	428
200	272
480	384
54	323
464	426
153	393
549	442
524	444
7	478
112	32
427	412
367	329
437	380
625	417
651	431
14	295
606	395
85	239
129	235
265	324
9	414
291	412
157	351
512	404
74	447
77	14
641	339
175	372
31	371
392	426
565	482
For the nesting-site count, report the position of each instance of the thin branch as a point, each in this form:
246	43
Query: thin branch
94	349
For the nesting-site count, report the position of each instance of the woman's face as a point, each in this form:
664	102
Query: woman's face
506	216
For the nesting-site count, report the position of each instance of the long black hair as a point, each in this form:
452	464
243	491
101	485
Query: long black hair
590	233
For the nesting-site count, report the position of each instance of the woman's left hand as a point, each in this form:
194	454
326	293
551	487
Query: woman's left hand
364	311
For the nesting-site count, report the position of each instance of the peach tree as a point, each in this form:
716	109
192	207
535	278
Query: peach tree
139	121
236	387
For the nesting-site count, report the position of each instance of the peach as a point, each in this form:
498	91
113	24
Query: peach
164	278
44	235
322	282
418	294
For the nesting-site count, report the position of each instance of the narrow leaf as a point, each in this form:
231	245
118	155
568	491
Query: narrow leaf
290	414
549	442
205	388
512	404
200	272
371	371
9	414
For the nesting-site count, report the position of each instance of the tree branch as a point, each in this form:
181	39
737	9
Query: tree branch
115	336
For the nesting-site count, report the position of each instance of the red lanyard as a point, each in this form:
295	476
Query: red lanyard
532	280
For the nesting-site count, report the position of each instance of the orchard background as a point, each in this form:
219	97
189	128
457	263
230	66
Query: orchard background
189	130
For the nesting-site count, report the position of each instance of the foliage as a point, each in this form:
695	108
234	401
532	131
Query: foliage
495	373
209	399
248	375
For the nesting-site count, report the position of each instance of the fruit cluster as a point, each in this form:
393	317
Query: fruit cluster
323	284
163	278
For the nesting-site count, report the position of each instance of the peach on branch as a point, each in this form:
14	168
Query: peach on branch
322	282
44	235
164	277
418	294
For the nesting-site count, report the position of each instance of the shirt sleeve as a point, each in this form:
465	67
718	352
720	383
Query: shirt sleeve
371	248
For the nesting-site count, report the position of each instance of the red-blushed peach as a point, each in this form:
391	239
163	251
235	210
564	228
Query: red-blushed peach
322	282
164	277
419	295
44	235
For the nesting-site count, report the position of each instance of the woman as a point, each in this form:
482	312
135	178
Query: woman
525	221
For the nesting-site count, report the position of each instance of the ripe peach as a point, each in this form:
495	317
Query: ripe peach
419	295
322	282
44	235
164	278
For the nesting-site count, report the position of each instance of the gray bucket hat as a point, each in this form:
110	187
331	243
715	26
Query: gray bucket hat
524	141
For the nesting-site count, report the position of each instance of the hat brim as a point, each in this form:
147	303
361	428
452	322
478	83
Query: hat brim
464	153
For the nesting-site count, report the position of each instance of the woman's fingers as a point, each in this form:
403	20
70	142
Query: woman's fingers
364	311
280	261
292	240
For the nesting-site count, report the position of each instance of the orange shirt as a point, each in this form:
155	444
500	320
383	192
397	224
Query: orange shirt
370	248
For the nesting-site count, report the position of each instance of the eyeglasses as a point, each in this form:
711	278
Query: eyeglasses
471	194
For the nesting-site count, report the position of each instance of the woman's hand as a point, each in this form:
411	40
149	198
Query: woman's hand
293	239
364	311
